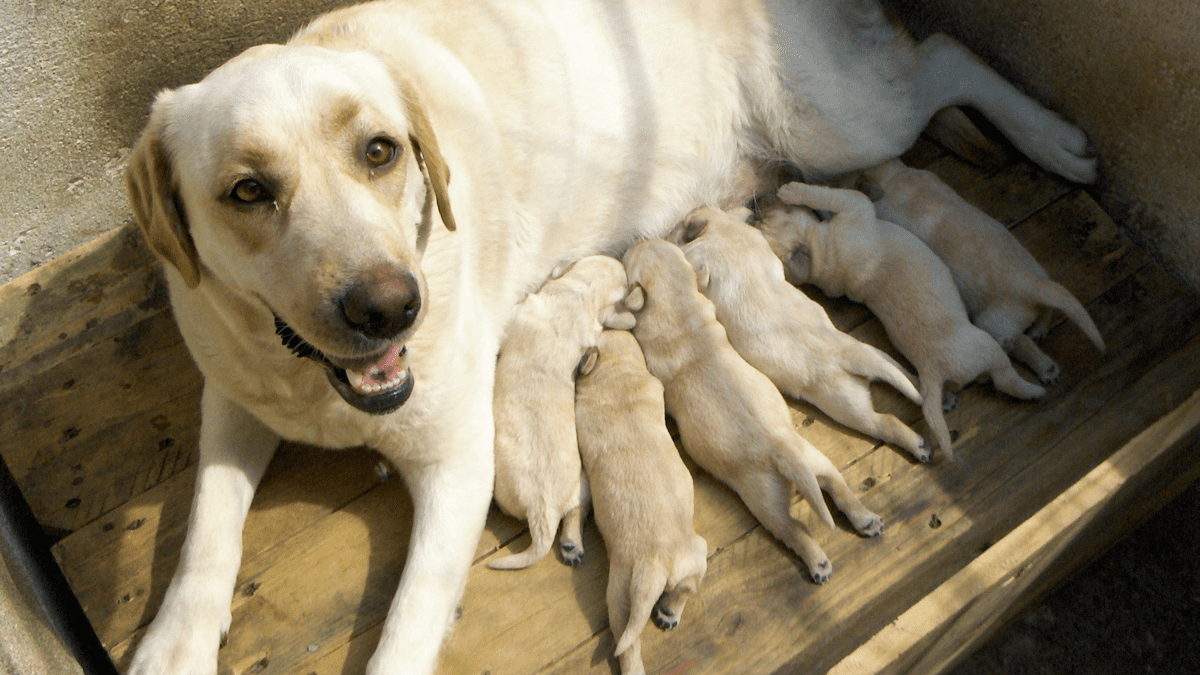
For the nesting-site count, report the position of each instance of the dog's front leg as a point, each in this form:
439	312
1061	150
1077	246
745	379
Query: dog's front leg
194	617
450	497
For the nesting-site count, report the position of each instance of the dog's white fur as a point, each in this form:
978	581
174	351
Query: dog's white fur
545	130
1004	288
731	419
539	477
642	494
902	281
786	335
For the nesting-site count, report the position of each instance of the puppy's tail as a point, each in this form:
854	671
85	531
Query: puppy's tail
646	585
791	465
1052	294
541	531
931	407
866	361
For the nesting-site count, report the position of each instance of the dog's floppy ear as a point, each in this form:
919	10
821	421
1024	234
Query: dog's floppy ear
428	154
149	181
588	362
702	278
635	300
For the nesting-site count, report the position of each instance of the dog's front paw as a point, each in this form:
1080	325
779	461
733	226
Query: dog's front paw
924	451
665	618
181	641
572	554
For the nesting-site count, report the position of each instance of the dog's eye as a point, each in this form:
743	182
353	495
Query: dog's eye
249	191
380	151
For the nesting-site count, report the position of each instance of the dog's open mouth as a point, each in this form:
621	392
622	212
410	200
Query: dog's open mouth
377	384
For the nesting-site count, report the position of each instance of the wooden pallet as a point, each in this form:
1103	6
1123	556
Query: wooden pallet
99	406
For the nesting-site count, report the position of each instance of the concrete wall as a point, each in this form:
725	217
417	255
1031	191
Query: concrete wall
76	80
1128	72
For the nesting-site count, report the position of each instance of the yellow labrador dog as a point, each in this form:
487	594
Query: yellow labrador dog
377	194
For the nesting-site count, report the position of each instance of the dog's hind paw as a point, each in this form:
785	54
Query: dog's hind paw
873	527
664	618
821	571
1050	375
924	451
949	401
571	554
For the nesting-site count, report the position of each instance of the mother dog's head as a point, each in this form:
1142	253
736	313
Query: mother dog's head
305	179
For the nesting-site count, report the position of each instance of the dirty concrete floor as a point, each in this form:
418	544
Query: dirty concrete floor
1135	610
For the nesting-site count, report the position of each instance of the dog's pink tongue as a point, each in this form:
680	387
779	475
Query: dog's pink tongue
386	369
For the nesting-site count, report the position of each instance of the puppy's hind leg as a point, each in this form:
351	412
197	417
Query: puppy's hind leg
950	74
864	520
769	498
691	568
570	541
1026	351
848	401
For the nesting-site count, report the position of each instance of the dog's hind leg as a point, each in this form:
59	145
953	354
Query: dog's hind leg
194	618
849	402
950	74
832	482
769	498
1026	351
570	541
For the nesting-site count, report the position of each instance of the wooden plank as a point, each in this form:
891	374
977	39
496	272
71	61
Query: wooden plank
963	609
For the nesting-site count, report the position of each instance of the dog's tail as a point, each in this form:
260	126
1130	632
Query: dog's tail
1052	294
646	585
866	361
931	407
541	531
791	465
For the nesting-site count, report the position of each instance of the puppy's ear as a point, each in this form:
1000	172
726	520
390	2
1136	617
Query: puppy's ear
588	362
149	181
690	230
429	155
702	278
561	269
635	300
798	265
615	319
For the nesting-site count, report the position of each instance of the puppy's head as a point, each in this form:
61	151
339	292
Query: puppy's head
309	181
786	227
658	271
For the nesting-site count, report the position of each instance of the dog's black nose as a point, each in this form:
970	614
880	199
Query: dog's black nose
382	303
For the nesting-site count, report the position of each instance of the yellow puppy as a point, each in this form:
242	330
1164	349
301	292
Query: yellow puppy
641	494
1004	288
538	473
905	284
732	420
786	335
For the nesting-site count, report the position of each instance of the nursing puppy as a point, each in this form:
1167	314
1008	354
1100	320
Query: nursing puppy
732	420
641	491
902	281
1005	290
538	473
785	334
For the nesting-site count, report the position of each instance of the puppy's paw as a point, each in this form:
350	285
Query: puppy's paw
871	527
949	401
821	571
1050	374
571	554
924	451
665	618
